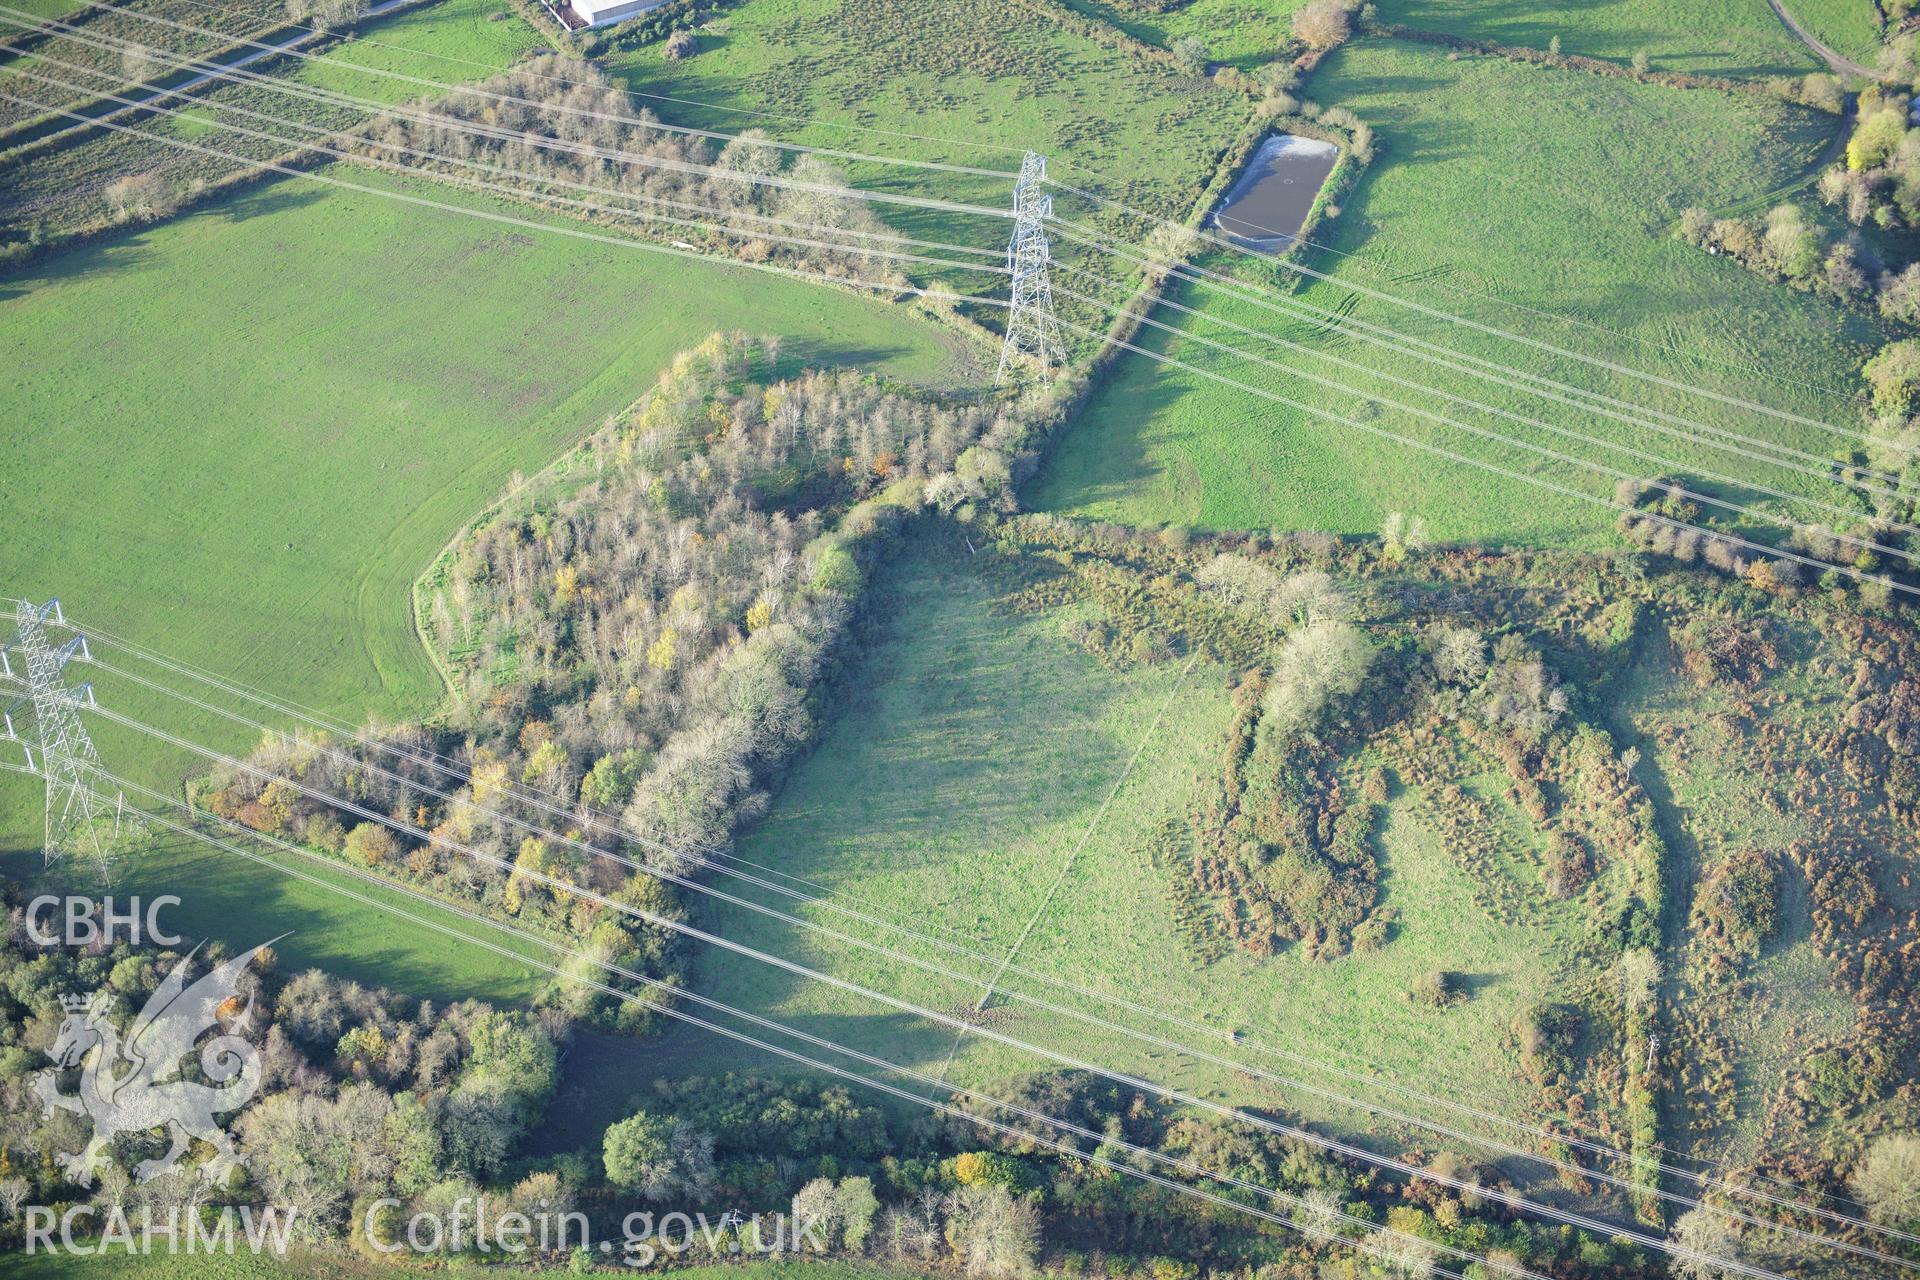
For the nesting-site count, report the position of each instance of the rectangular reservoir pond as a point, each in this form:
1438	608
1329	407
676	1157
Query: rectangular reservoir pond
1270	202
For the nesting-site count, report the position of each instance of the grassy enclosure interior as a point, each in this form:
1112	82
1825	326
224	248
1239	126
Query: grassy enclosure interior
986	772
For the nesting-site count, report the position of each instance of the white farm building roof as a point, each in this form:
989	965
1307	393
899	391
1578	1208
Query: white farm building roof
598	13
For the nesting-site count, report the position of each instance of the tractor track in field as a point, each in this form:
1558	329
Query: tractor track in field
1845	66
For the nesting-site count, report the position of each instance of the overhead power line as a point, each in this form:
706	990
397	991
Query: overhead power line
1724	537
437	120
521	69
1679	491
1309	1225
1588	400
1288	264
1370	261
1044	301
499	188
442	86
566	840
591	820
67	759
1664	464
530	224
543	228
1745	544
1511	1200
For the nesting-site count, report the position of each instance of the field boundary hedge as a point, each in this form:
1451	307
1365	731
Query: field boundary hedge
1590	65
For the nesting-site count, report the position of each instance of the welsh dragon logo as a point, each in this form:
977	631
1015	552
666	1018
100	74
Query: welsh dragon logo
135	1085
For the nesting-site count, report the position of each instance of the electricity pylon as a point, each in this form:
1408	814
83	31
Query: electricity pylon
66	757
1033	331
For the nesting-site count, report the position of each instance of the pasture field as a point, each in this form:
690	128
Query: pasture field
980	754
1850	28
1737	39
1488	145
450	40
245	904
263	514
1241	33
967	82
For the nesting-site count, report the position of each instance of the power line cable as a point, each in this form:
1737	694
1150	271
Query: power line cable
473	90
356	40
1825	474
499	188
381	192
1511	1200
590	819
1467	460
894	256
896	956
672	992
1680	491
1434	313
1583	398
578	233
453	124
1380	266
1369	261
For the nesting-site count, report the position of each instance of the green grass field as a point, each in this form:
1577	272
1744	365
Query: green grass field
1734	38
1850	28
1243	33
976	755
222	896
450	41
247	430
1571	183
970	82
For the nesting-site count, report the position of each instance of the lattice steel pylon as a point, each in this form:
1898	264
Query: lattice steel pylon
76	812
1033	331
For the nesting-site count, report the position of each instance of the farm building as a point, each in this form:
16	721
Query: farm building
600	13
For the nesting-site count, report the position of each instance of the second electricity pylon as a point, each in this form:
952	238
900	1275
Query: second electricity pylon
67	761
1033	331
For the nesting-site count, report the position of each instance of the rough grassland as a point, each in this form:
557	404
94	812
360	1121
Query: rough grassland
1719	802
246	431
1243	33
1735	38
975	755
451	41
1848	27
969	82
1547	189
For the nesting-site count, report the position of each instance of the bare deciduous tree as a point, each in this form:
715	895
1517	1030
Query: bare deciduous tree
1888	1181
1322	24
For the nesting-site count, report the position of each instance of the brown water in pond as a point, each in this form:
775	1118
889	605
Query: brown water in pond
1270	202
